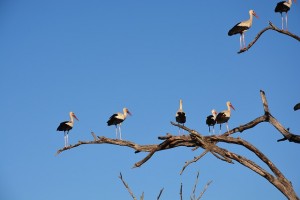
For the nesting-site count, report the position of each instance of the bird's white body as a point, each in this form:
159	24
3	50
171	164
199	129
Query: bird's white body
180	115
281	7
117	119
66	127
211	120
225	115
288	3
242	27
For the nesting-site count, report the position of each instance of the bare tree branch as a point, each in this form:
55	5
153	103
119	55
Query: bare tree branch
160	192
180	193
270	27
210	144
194	160
127	187
204	190
193	195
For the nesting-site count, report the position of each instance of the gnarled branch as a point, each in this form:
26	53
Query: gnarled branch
270	27
210	144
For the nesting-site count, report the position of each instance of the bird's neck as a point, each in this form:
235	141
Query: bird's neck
250	21
180	105
71	119
228	108
124	114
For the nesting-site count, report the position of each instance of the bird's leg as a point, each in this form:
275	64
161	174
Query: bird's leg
116	131
240	41
68	138
220	129
213	129
120	132
244	40
227	127
65	139
281	21
209	129
286	20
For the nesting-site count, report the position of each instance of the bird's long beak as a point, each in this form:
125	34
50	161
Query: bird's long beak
231	106
255	15
129	113
75	117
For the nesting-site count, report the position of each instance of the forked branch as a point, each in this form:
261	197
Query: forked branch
210	145
270	27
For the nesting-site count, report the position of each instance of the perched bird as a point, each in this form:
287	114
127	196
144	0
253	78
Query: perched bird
180	115
211	120
284	6
242	27
117	119
66	126
297	107
224	116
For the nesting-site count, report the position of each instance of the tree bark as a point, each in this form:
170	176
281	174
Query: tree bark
210	145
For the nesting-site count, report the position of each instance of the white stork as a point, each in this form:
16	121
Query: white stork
242	27
117	119
180	115
224	116
211	120
66	126
284	6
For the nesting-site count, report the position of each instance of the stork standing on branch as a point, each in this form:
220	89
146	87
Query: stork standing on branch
224	116
242	27
180	115
211	120
66	126
284	6
117	119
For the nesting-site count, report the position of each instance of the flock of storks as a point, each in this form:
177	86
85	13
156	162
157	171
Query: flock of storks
215	118
180	117
242	27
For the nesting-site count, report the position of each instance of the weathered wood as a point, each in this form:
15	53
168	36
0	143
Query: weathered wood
210	145
270	27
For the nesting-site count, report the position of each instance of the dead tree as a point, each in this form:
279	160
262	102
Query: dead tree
270	27
209	144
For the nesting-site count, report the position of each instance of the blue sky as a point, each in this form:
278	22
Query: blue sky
96	57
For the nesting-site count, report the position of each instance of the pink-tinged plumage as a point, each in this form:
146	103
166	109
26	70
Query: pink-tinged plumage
224	116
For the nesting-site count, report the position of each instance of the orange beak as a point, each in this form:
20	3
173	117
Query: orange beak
255	15
231	106
75	117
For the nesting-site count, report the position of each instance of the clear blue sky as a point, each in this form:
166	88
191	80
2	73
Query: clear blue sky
96	57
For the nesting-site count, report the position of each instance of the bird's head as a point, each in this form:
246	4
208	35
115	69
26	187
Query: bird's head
214	112
127	111
73	115
252	12
230	105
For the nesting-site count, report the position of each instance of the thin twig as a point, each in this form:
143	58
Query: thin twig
192	161
127	187
204	190
181	192
193	195
160	192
